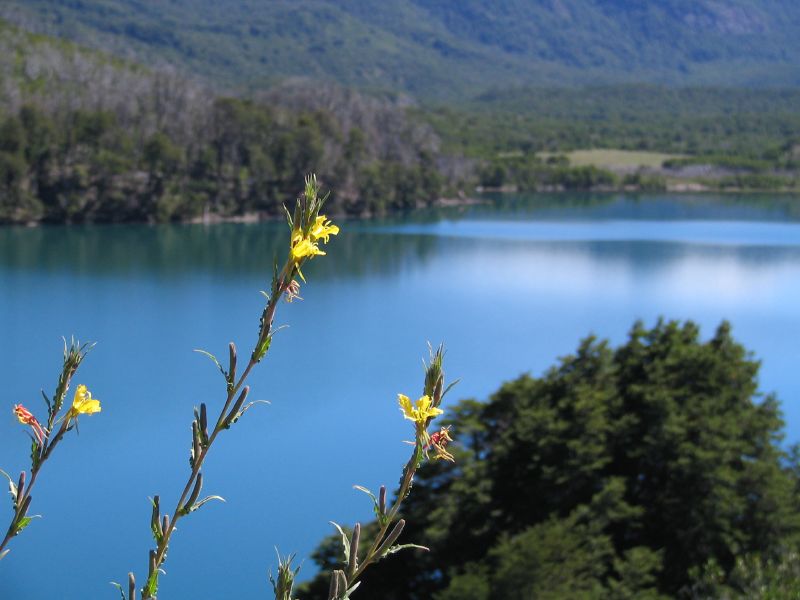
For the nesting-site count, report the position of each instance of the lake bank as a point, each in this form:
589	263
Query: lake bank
481	196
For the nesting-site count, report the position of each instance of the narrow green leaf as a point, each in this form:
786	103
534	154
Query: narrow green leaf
263	347
361	488
49	404
152	584
399	547
35	453
288	217
12	487
216	362
119	587
156	532
345	542
375	505
351	590
450	387
205	500
245	408
23	523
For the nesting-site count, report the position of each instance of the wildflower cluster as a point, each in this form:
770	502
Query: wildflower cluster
45	438
345	581
308	230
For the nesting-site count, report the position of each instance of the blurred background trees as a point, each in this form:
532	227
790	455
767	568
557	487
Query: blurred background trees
649	470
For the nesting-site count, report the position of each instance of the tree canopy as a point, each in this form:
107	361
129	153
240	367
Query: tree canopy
649	470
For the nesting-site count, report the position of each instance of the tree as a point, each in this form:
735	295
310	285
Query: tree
620	473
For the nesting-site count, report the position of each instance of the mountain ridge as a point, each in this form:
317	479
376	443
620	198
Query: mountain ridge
441	49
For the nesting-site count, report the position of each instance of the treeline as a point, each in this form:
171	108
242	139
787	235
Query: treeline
240	157
84	137
734	122
535	172
748	138
531	173
649	470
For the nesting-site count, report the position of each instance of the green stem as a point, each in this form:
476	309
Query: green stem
44	454
408	476
177	513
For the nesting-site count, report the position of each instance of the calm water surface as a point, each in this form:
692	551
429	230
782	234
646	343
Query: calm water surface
508	286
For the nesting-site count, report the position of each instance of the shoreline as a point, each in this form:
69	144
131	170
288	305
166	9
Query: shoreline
461	201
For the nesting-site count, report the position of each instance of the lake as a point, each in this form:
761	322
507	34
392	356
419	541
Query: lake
509	286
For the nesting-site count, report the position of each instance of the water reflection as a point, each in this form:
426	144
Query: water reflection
181	250
386	246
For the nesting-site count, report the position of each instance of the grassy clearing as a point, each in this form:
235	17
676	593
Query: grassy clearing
611	159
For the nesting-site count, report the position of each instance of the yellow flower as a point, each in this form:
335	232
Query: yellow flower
323	229
305	248
84	404
420	412
305	245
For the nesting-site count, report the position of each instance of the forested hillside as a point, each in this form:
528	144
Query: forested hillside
443	49
87	137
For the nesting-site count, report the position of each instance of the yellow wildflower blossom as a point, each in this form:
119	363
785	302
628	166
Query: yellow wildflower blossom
323	229
83	403
305	245
421	411
305	248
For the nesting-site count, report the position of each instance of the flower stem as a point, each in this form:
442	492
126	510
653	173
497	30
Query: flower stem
268	315
23	500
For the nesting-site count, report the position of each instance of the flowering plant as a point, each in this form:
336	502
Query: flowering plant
359	554
45	438
308	228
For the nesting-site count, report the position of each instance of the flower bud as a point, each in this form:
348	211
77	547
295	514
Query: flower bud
231	362
353	564
195	443
131	586
333	590
382	500
203	420
391	538
198	485
25	506
342	582
437	392
156	514
20	486
231	418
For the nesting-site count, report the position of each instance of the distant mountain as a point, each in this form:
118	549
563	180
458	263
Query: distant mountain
441	49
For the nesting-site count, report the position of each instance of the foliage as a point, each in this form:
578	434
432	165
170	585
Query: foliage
711	123
751	577
441	49
85	138
620	473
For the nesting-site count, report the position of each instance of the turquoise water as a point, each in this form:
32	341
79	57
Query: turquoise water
508	286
